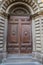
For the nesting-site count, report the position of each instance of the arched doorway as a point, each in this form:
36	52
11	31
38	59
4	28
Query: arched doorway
19	30
12	6
35	10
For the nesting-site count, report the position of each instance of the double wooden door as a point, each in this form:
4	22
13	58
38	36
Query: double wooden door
19	35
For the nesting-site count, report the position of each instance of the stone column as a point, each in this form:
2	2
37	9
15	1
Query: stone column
40	3
3	35
42	36
5	39
36	36
2	24
33	37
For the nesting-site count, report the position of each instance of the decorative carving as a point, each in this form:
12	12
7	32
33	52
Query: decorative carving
13	32
26	33
20	11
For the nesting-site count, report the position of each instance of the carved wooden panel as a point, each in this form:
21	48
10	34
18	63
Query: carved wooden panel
26	45
14	33
13	44
25	33
19	36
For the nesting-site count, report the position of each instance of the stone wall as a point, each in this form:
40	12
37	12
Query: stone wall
2	25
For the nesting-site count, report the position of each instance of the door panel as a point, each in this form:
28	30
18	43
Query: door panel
14	33
25	33
19	35
13	44
26	45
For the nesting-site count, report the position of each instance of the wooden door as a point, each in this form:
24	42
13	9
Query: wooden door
19	35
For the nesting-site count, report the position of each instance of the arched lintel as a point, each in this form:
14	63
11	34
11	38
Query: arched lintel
16	3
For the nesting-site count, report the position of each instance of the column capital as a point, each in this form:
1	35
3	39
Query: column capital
34	15
3	14
37	14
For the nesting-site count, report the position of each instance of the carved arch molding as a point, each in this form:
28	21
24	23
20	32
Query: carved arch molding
23	6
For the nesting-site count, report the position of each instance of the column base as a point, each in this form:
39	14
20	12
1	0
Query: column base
1	57
37	56
42	57
4	57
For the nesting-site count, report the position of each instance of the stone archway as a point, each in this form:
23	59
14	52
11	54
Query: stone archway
34	10
29	8
19	9
30	3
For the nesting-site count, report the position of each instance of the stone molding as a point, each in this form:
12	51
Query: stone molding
5	15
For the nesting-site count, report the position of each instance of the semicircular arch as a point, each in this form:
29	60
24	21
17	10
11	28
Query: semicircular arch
32	5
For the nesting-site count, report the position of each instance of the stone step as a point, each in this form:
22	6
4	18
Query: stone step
20	60
29	63
19	56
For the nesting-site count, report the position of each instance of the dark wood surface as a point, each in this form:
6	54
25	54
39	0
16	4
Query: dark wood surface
19	34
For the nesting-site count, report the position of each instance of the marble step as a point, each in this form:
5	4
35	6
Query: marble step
19	56
29	63
13	59
19	60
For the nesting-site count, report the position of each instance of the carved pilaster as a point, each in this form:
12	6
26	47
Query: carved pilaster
3	19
